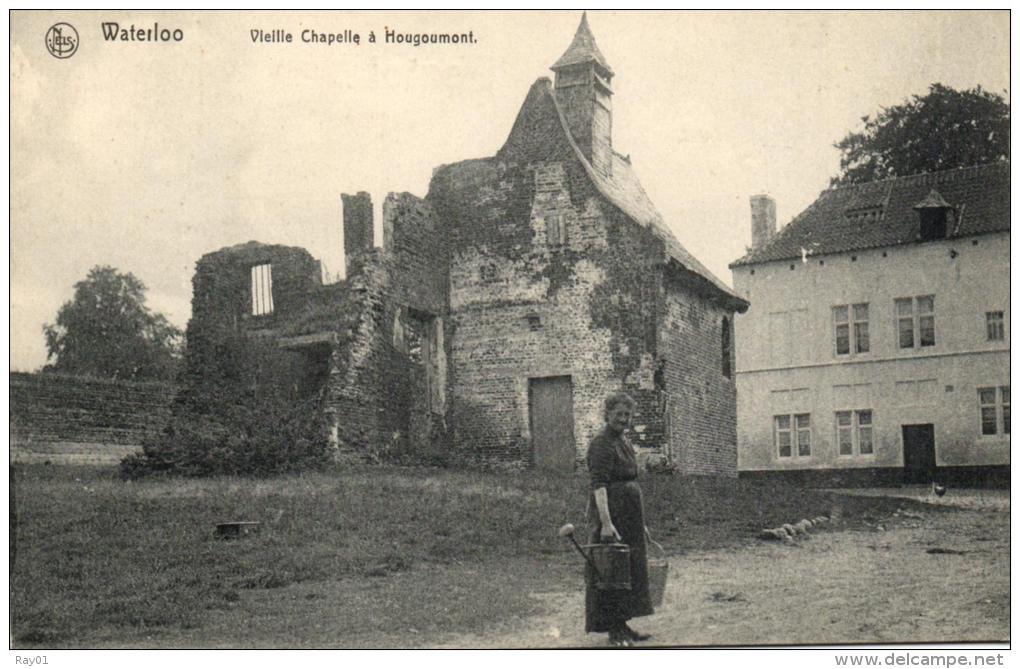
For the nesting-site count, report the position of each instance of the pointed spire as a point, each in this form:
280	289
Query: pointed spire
583	50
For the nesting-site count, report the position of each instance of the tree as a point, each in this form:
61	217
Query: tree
942	130
107	331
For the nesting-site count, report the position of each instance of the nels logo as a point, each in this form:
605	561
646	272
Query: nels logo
62	40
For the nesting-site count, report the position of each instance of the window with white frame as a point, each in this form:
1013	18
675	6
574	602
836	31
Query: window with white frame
792	435
915	321
850	323
995	325
262	289
994	406
854	432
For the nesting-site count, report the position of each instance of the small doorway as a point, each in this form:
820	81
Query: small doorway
551	409
919	453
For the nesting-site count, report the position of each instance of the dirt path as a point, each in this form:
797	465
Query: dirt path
876	585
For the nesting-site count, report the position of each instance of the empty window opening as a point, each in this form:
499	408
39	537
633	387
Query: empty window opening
262	289
423	341
414	332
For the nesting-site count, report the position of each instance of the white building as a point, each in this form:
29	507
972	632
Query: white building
876	347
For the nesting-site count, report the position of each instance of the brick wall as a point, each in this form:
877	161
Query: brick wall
524	306
700	400
67	419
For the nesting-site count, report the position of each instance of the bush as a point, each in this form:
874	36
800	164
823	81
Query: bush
258	438
238	411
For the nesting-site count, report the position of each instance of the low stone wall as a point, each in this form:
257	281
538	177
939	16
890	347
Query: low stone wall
65	419
988	476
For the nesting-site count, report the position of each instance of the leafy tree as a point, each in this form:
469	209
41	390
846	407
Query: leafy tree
942	130
107	331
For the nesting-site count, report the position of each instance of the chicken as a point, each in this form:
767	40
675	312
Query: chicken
939	490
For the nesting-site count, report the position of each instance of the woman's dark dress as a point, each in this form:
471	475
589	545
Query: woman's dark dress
612	464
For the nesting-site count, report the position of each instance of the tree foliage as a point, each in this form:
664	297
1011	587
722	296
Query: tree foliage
106	330
942	130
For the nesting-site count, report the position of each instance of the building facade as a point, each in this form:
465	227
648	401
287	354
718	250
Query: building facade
876	349
502	308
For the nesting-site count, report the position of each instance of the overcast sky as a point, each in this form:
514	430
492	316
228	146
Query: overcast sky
145	156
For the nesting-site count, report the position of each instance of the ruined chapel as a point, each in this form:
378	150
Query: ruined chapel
502	308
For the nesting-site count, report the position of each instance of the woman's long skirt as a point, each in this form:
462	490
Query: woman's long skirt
606	609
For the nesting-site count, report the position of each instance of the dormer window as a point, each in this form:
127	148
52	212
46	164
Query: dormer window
934	214
865	214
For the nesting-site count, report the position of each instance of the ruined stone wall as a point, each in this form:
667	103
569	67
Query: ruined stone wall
358	406
358	229
231	352
415	253
380	395
700	399
222	285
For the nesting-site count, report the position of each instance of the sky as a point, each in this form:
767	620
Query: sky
147	155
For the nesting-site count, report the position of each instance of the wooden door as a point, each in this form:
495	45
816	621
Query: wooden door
551	407
919	453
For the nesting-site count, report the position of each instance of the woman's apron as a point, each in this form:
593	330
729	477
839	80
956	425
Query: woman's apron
605	609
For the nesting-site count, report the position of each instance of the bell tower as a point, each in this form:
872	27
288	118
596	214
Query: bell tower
584	93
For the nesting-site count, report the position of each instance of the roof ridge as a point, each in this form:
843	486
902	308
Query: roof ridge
939	176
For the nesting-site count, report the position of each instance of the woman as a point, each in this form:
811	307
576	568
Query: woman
616	497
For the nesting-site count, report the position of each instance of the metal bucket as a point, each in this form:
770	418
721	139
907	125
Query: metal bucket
612	565
658	571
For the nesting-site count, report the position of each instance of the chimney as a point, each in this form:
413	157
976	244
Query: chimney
358	228
763	220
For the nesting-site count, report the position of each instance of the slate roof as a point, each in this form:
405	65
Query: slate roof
583	49
882	213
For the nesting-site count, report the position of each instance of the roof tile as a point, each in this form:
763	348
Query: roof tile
881	213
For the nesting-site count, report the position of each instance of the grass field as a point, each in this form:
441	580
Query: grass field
99	562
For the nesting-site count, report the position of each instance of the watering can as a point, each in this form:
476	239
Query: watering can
610	562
